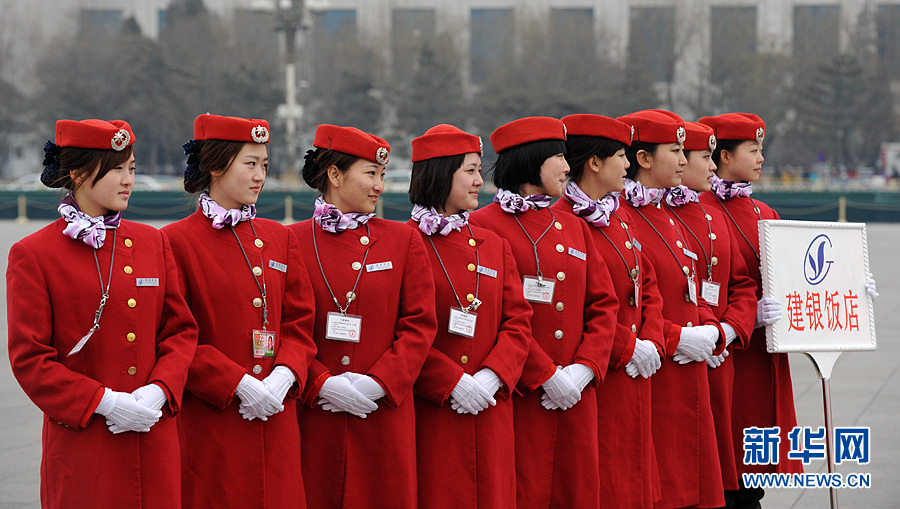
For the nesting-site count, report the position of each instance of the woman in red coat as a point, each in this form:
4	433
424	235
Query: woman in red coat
683	428
725	283
595	152
126	359
568	285
464	418
248	289
375	323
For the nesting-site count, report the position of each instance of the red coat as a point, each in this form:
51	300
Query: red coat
227	460
53	290
763	385
371	462
468	460
709	231
557	458
683	428
628	472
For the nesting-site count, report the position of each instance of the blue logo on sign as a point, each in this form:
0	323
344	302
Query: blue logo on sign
816	267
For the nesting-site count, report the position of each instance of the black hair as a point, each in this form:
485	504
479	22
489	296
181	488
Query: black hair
631	154
82	161
212	155
729	145
521	164
316	164
579	149
432	180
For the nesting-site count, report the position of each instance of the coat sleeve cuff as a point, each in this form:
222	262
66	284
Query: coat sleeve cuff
92	407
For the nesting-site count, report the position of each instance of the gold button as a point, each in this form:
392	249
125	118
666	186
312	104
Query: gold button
471	267
560	248
558	225
712	236
364	240
627	244
558	334
671	221
130	337
685	269
690	324
708	217
257	271
257	302
132	303
464	359
128	269
624	225
472	242
560	275
356	265
350	296
470	298
756	209
560	306
257	369
345	360
132	370
679	244
714	260
633	328
631	301
128	243
258	243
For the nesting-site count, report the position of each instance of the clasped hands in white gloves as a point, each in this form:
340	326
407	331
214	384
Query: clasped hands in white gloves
470	396
645	359
352	393
563	389
125	413
714	361
278	383
696	344
257	399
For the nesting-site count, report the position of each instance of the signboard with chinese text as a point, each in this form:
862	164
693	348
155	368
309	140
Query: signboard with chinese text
817	270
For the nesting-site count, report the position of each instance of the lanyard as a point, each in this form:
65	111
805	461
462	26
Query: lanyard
534	243
708	230
262	288
677	261
351	295
755	209
104	297
475	303
632	273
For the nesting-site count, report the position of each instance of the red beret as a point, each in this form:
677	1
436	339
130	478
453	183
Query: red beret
655	126
737	126
94	134
598	125
445	140
217	127
351	140
699	137
526	130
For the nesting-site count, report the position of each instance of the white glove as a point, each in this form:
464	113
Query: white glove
870	285
365	384
124	413
580	374
279	381
768	311
339	395
695	345
151	396
469	397
715	361
489	380
560	393
730	333
256	400
645	359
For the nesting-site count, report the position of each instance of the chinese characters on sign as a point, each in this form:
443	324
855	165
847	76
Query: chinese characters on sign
834	311
851	445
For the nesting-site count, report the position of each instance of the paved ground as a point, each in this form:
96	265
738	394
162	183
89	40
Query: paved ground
865	392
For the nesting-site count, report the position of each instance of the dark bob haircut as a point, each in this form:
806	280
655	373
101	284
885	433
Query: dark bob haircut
432	180
631	154
81	162
317	162
729	145
521	164
213	155
581	148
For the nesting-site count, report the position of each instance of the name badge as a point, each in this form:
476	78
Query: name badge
710	292
280	267
487	272
147	281
690	254
343	327
577	254
538	291
375	267
692	290
462	323
263	343
636	244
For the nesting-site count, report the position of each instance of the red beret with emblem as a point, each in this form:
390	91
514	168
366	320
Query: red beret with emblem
737	126
217	127
445	140
699	137
526	130
599	126
655	126
94	134
353	141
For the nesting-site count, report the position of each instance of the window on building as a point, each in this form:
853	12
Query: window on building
492	41
410	28
816	32
889	39
161	19
336	23
569	29
100	20
651	41
733	37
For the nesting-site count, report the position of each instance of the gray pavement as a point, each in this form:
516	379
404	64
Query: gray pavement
865	392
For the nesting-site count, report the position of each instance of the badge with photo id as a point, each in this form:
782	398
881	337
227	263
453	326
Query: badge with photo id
710	291
537	290
461	322
343	327
692	290
263	343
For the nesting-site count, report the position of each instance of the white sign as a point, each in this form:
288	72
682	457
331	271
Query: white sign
817	270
